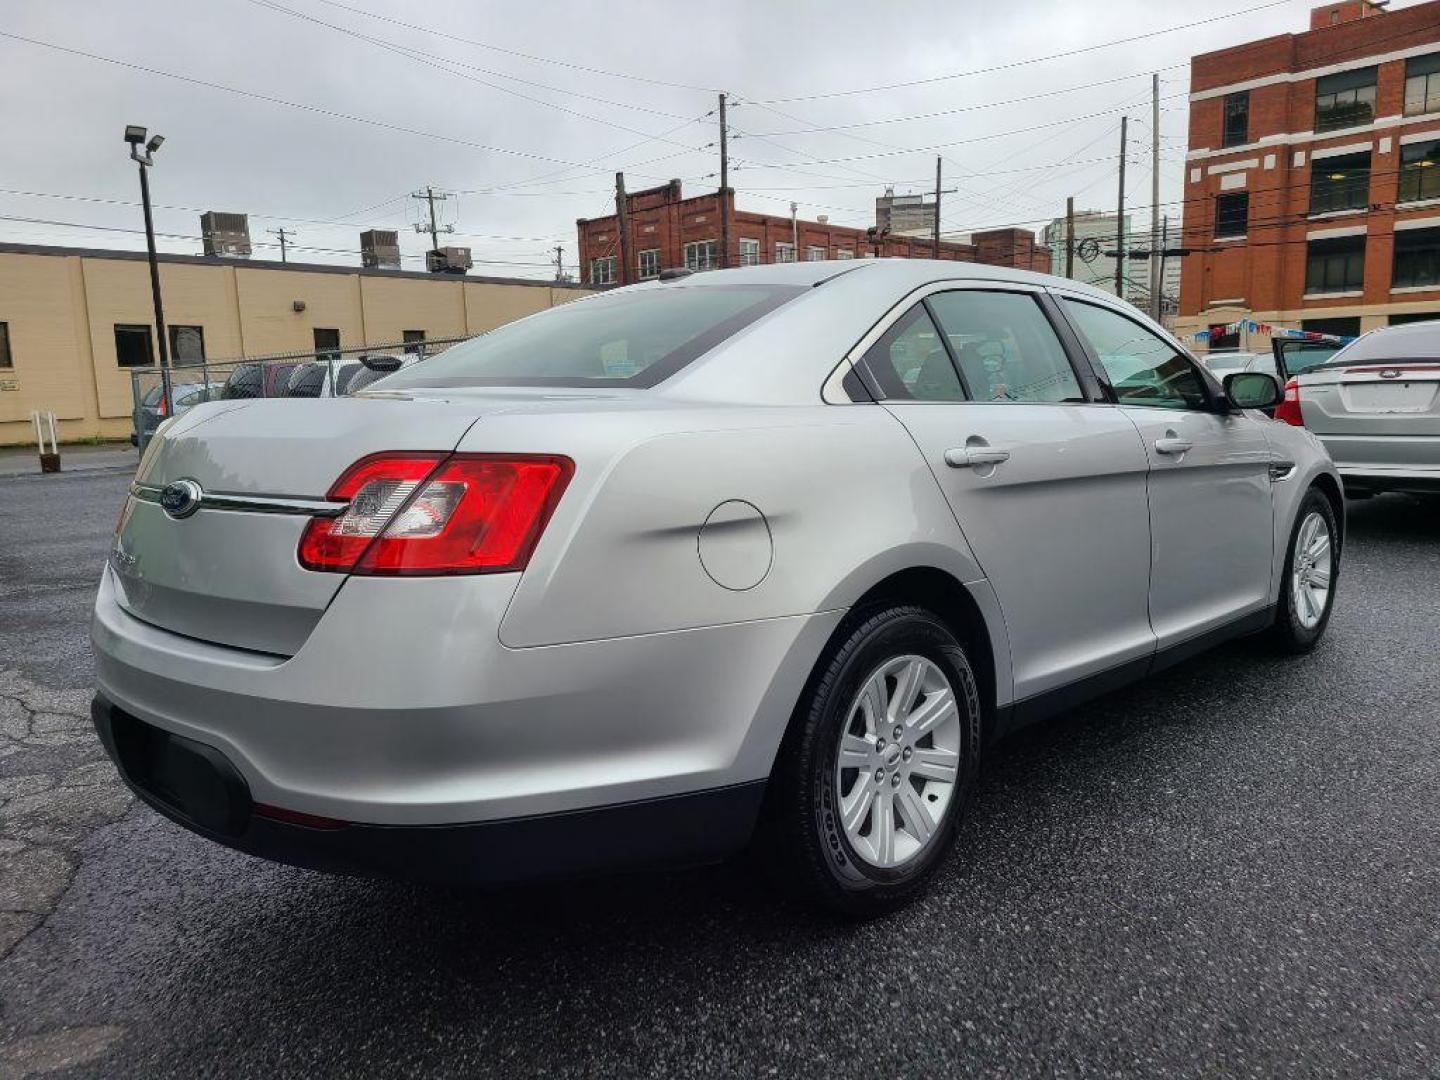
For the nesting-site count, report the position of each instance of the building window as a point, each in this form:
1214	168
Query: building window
1335	265
1340	183
327	344
1417	259
602	271
1232	214
650	263
1345	100
700	255
133	346
814	254
1420	171
749	252
1414	316
414	341
187	344
784	253
6	360
844	253
1237	119
1344	326
1422	84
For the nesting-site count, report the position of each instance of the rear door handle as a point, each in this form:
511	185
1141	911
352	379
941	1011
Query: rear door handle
1172	445
967	457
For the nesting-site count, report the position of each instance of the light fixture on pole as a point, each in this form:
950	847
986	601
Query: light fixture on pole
135	136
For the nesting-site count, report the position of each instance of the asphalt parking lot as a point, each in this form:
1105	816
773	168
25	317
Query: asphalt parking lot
1232	870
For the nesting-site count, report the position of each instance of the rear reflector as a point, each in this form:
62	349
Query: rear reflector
295	817
417	514
1288	408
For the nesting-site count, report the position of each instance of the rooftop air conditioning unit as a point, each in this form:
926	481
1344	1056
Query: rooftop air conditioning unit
448	260
380	249
226	235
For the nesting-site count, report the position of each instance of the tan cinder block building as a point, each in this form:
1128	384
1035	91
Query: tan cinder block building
71	320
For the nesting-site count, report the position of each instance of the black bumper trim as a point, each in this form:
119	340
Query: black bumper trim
196	786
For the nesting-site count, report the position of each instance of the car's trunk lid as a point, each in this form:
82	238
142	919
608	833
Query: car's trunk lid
230	576
1388	398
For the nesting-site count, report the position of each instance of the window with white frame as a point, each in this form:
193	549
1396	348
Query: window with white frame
784	253
1422	84
650	263
814	254
700	255
844	253
602	270
749	252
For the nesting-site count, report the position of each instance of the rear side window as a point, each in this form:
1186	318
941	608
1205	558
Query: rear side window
620	339
1142	368
909	362
1005	347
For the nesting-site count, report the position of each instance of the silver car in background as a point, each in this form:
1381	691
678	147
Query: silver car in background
1375	405
774	551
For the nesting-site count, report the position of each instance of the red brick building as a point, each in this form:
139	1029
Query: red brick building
1312	184
668	230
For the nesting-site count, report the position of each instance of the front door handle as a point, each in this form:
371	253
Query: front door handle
968	457
1172	445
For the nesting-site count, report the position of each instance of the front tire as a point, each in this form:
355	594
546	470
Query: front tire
880	764
1312	567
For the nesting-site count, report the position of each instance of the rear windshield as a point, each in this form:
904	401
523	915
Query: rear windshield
1228	362
1419	342
623	339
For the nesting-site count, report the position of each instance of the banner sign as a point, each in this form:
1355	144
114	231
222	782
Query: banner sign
1275	332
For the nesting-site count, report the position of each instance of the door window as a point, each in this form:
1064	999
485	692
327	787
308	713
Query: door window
1005	347
1143	368
909	363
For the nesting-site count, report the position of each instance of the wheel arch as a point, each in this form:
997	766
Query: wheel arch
1334	493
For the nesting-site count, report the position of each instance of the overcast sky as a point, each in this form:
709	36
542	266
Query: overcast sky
529	159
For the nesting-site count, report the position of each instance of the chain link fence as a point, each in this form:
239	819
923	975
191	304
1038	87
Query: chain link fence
158	393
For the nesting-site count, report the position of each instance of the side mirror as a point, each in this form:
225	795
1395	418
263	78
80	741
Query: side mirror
1252	390
382	362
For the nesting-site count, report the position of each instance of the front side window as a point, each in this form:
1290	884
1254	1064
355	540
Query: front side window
749	252
700	255
1232	214
1420	171
1005	347
1340	183
602	270
1335	265
1345	100
909	362
617	338
6	361
1417	259
784	253
1237	119
1422	84
650	263
187	344
133	346
1142	367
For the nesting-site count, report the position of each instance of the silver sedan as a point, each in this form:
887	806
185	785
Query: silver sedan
775	552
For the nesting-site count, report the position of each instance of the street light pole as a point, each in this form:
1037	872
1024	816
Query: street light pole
135	136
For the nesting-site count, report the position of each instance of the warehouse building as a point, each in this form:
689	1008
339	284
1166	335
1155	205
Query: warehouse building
75	323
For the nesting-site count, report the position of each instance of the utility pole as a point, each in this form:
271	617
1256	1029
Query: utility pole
1120	217
622	221
724	188
794	233
559	263
936	238
1070	237
431	197
1153	265
283	234
1160	275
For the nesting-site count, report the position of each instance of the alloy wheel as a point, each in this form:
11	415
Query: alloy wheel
898	761
1311	570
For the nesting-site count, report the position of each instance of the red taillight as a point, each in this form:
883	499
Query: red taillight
1288	409
164	407
434	514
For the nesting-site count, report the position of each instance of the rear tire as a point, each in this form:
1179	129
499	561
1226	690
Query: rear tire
1312	561
864	810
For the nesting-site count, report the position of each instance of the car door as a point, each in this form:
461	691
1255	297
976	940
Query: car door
1211	506
1048	485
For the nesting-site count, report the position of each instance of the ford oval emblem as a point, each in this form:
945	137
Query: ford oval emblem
1391	373
181	499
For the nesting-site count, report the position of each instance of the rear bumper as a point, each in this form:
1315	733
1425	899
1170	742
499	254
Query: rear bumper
196	786
1390	478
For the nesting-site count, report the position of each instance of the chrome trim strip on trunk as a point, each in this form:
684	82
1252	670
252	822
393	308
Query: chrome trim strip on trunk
254	504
